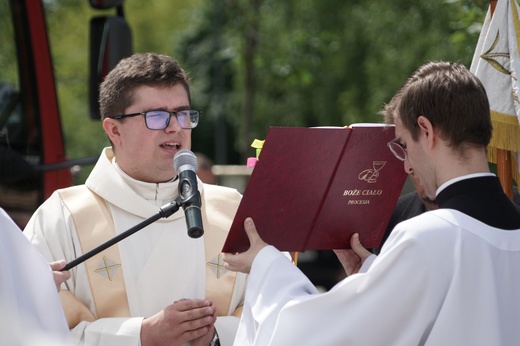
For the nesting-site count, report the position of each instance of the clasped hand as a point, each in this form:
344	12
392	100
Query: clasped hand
184	320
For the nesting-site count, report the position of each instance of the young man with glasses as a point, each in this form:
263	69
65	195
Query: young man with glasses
158	286
446	277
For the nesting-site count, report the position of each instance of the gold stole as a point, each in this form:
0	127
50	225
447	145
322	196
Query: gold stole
94	226
221	207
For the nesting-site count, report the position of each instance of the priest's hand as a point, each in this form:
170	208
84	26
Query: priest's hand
59	276
184	320
242	262
352	259
204	340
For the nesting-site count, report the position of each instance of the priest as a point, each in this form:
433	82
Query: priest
446	277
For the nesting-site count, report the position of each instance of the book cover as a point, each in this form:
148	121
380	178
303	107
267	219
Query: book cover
312	188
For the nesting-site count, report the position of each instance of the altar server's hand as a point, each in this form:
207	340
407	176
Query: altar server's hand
180	322
352	259
241	262
59	276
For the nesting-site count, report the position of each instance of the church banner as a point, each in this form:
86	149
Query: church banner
497	64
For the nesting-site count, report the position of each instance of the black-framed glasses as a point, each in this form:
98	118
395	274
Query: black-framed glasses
159	120
397	149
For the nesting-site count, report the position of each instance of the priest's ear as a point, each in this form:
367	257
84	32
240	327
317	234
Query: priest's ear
426	128
112	129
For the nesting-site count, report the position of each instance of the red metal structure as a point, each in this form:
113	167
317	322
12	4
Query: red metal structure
33	160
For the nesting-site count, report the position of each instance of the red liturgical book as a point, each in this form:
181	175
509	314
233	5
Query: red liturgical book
312	188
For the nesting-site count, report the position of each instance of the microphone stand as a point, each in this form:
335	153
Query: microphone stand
164	212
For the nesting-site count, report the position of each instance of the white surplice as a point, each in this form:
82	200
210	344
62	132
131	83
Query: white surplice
435	282
31	312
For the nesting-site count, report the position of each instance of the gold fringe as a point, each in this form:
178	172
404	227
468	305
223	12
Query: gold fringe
506	136
506	132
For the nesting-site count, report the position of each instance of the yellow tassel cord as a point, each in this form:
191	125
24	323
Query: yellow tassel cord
506	136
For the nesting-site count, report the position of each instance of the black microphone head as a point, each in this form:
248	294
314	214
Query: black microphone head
183	160
185	164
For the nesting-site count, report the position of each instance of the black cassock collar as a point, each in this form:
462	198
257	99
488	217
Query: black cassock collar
483	199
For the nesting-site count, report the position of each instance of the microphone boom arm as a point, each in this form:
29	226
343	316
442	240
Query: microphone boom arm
164	212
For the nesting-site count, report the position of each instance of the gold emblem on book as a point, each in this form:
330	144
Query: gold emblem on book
370	175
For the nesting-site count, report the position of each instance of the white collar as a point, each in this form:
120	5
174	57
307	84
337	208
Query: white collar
463	177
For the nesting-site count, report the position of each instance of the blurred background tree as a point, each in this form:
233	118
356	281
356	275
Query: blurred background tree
258	63
319	63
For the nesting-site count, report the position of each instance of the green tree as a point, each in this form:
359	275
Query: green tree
325	62
258	63
154	27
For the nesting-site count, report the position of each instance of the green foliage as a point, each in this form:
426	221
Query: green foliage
314	62
8	72
332	62
68	25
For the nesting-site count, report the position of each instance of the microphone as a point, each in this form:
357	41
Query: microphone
185	164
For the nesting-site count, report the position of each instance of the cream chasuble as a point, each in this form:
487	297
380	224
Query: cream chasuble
158	265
